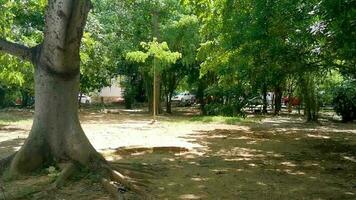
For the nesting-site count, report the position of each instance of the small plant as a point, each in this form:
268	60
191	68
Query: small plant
53	172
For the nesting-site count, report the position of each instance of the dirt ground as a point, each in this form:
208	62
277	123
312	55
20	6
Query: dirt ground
181	158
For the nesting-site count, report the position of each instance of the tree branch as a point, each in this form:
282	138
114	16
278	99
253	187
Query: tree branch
18	50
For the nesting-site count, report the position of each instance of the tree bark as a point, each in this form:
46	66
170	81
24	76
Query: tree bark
278	100
158	95
56	134
311	106
156	34
18	50
169	103
265	104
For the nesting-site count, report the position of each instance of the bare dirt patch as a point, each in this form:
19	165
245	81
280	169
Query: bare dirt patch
180	158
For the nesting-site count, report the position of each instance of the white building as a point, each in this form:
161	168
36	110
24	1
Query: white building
113	93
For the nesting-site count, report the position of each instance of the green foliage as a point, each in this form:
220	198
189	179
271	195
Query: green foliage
228	101
137	56
229	50
158	51
96	69
53	172
22	22
259	45
345	101
338	18
327	86
218	119
130	92
183	36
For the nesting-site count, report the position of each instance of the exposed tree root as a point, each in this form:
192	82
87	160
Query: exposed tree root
112	188
2	192
115	183
5	163
67	171
118	184
126	182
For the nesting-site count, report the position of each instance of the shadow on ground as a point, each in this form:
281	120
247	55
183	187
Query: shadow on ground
9	147
266	161
267	158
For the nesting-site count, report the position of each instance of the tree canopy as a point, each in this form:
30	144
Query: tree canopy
230	50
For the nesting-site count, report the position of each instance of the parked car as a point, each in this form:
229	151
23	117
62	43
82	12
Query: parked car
255	104
184	98
84	99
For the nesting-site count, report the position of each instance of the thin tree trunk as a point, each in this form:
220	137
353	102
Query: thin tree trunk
25	98
156	34
80	99
168	104
311	107
278	100
158	94
265	103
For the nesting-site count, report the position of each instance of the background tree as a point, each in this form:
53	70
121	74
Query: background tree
161	57
182	36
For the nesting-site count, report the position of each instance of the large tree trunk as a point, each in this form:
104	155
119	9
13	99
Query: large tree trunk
56	134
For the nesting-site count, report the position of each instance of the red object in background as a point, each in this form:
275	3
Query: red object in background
18	101
294	101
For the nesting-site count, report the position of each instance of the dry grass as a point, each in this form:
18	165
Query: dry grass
187	157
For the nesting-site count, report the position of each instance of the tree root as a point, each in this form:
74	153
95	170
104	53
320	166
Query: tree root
67	171
2	192
112	188
5	163
115	183
21	192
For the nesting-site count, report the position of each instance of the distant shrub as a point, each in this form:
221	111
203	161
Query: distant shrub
8	97
231	109
344	101
228	101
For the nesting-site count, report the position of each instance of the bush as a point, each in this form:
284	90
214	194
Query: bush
231	109
344	101
8	97
225	101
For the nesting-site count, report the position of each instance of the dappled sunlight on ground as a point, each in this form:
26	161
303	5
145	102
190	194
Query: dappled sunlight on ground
273	158
254	162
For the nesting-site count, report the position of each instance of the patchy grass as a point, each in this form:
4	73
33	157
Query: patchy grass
185	156
15	116
218	119
225	119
